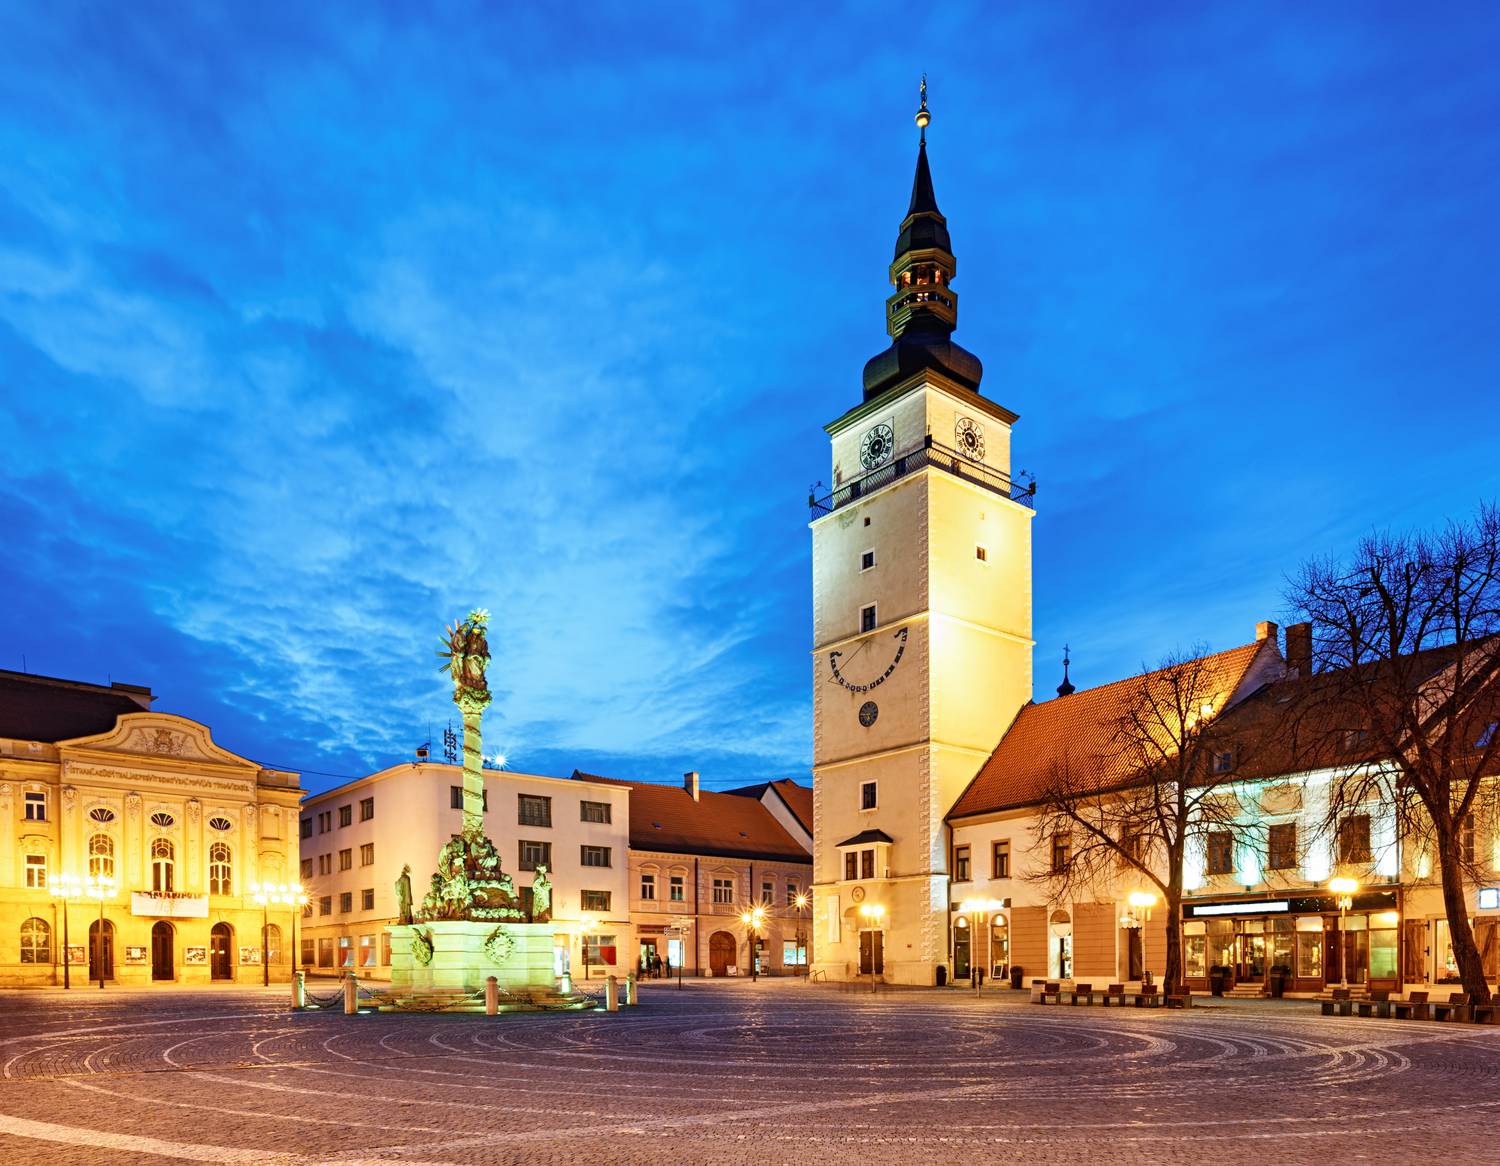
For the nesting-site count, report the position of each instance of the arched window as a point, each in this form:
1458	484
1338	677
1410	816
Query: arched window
220	870
101	815
36	942
101	857
273	944
163	863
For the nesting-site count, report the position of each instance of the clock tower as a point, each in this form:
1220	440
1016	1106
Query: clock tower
921	619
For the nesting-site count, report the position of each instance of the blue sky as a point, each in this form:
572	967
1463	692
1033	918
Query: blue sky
321	323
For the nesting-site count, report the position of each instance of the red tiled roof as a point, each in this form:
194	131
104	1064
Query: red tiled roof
726	825
44	708
798	798
1079	729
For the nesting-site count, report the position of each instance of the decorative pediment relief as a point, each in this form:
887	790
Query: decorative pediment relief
160	735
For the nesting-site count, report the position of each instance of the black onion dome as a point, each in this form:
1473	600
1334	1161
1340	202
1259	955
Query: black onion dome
914	353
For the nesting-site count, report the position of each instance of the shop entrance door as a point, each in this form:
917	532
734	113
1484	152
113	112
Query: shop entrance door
961	953
1250	961
220	944
101	951
648	956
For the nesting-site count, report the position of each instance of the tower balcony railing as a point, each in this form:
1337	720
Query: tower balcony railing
929	453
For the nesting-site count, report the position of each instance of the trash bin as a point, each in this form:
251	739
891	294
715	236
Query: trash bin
1016	974
1279	975
1216	976
942	975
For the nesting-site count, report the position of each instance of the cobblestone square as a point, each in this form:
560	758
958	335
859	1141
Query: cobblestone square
778	1071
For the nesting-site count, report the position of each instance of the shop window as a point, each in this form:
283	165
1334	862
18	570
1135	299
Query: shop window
385	949
1354	839
1220	853
325	952
1310	955
346	951
367	951
599	949
1195	956
308	953
1383	951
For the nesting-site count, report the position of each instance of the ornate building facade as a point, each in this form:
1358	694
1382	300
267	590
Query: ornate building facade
162	834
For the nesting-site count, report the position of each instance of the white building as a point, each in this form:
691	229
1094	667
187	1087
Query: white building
355	840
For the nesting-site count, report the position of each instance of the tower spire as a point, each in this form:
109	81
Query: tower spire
923	312
1066	687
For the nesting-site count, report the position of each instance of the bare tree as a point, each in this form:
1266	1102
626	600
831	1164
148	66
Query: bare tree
1158	780
1405	694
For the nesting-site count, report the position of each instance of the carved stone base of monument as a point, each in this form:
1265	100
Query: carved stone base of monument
465	953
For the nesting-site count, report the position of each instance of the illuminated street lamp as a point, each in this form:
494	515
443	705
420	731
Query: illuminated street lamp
754	919
801	902
874	914
1345	890
279	893
297	897
979	911
586	923
1135	920
65	888
101	889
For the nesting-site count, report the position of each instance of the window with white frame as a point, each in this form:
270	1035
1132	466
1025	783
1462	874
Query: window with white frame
676	888
723	890
867	621
36	805
36	872
101	857
866	560
594	855
220	869
867	795
648	886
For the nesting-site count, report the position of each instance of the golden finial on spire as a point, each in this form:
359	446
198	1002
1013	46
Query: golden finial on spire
923	117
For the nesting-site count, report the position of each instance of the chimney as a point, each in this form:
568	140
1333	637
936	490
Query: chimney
1299	648
690	783
1265	630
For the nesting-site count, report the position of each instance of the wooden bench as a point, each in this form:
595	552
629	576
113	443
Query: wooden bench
1340	1004
1183	999
1082	994
1456	1007
1378	1005
1115	993
1485	1013
1148	998
1051	993
1414	1007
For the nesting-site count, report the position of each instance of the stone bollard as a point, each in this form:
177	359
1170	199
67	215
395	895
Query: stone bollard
351	994
612	994
491	996
630	990
299	990
565	984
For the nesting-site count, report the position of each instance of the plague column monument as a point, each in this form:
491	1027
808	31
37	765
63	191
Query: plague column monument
470	925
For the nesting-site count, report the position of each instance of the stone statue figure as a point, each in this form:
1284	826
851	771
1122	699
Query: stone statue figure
403	895
467	653
541	895
469	884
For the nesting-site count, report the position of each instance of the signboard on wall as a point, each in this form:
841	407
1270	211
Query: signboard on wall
168	904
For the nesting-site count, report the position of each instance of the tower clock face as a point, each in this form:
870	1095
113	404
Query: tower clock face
876	448
969	435
868	712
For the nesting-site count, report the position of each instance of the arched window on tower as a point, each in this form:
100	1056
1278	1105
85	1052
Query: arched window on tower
36	941
220	870
101	857
163	864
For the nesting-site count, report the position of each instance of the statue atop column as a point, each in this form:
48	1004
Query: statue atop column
469	883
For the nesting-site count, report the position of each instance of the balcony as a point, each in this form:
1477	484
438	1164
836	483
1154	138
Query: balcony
929	453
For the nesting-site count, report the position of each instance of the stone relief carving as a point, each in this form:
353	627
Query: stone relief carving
133	804
70	796
194	811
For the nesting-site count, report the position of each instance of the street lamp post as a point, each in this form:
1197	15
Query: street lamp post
297	898
978	911
682	928
102	889
66	887
754	919
874	914
1344	889
586	923
264	895
1141	903
801	903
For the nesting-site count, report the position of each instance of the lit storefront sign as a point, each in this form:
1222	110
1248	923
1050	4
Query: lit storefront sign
1489	898
1268	907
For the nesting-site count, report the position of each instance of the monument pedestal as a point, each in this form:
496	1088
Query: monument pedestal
461	962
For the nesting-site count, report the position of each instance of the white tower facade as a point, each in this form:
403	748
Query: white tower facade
922	612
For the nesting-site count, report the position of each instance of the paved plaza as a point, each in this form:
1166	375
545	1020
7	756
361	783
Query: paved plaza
778	1071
